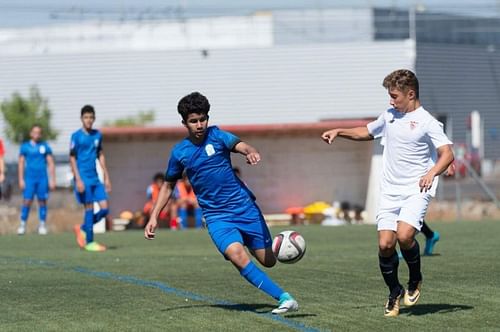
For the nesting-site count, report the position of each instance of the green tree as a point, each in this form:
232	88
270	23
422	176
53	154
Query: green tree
21	114
141	119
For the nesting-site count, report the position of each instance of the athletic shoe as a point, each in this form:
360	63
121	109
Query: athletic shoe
22	229
392	305
412	294
42	230
287	303
80	236
94	246
430	243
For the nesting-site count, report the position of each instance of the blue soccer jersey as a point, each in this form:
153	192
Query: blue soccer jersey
35	156
208	166
86	147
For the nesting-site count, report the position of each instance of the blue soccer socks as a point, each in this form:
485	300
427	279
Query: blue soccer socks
25	212
260	280
100	214
88	225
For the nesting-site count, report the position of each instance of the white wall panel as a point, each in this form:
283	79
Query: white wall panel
284	84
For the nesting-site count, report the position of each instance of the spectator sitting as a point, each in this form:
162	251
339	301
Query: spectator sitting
185	199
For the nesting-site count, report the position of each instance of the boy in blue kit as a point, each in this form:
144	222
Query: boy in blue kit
35	156
232	217
85	149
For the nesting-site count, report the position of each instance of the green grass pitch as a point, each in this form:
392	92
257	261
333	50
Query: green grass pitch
179	282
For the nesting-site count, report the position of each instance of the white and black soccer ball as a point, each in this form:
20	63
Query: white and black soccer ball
289	247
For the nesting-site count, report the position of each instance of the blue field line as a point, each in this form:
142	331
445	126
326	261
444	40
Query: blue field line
164	288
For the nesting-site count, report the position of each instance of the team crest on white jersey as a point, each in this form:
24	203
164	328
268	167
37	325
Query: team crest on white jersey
209	149
413	124
42	149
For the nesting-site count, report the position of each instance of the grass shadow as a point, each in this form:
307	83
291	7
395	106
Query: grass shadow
434	308
257	308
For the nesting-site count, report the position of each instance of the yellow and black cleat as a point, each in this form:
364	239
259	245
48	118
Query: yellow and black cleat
412	294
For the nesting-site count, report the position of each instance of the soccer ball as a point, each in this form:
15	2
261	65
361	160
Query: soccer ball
289	247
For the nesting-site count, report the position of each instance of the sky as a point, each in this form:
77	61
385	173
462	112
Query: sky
29	13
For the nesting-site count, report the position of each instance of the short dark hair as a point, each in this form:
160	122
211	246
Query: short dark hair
35	125
403	80
194	102
87	109
158	176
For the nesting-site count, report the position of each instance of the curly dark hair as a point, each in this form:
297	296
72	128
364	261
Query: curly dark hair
403	80
87	109
194	102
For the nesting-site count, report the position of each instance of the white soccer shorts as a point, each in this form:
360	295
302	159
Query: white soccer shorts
409	209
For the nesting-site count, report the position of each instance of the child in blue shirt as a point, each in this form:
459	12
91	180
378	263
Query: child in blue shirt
35	157
232	217
85	149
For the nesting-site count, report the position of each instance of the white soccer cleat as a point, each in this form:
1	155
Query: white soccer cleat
42	230
21	230
287	303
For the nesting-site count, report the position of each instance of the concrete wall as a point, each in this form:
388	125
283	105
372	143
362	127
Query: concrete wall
294	170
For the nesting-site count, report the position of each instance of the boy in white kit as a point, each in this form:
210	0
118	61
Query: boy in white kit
416	152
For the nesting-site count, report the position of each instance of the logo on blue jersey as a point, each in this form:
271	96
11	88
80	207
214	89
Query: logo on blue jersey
209	149
96	142
42	149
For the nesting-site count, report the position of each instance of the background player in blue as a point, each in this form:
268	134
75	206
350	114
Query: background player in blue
35	156
85	149
232	217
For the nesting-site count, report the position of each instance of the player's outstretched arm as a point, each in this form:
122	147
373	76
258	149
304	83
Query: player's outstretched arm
355	134
164	196
445	158
251	153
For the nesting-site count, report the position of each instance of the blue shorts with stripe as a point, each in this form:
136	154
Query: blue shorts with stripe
248	228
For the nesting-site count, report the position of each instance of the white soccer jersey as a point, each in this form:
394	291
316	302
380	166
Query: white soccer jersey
410	141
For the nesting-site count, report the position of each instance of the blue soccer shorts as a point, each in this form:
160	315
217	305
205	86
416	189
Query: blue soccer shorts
93	193
248	228
40	188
